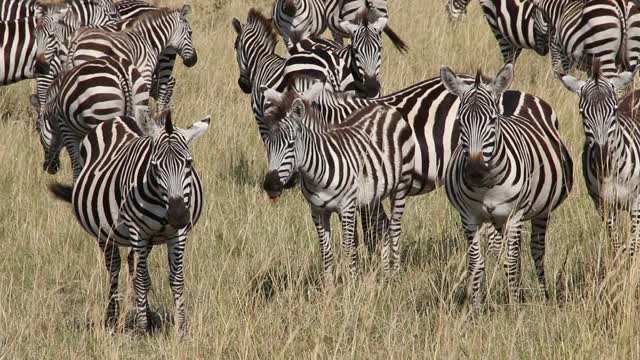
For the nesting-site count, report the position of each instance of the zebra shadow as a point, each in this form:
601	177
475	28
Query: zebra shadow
161	320
266	285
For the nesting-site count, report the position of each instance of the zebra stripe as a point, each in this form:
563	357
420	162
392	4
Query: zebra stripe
142	43
582	31
632	36
81	99
18	45
138	191
343	170
19	9
512	23
611	152
505	170
130	9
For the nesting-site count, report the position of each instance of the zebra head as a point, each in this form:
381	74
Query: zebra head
477	114
46	123
102	12
254	40
171	165
281	143
181	38
598	105
457	8
51	33
366	51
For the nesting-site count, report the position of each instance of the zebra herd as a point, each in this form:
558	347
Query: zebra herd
97	63
326	125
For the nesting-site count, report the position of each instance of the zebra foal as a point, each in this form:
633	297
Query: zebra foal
505	170
342	169
611	152
138	188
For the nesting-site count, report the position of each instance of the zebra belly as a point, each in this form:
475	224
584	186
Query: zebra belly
496	204
616	190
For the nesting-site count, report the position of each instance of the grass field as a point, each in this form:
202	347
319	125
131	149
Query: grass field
252	268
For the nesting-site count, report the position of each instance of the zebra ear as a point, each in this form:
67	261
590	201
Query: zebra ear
298	109
380	24
185	11
237	26
622	80
194	131
453	82
572	84
348	27
502	81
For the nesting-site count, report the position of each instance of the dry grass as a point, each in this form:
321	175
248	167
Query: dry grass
252	268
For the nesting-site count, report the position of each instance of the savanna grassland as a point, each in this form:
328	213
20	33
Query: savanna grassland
252	267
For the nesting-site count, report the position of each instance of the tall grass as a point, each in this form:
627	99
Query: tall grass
252	268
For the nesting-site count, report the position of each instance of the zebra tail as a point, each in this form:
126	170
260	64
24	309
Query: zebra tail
61	191
396	40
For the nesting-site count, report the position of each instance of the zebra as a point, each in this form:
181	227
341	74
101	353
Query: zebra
82	98
611	148
580	32
362	58
19	9
142	43
505	170
139	188
343	169
260	67
129	9
300	19
512	23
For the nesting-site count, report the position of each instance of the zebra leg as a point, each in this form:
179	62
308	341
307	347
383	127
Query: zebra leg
560	64
175	253
610	215
322	220
512	262
348	218
635	223
375	224
131	267
538	237
475	260
398	202
112	261
141	283
495	240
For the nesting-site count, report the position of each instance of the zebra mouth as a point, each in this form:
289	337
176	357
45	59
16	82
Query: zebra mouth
51	167
245	85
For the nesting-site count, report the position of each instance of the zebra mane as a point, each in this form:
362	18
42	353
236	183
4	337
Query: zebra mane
255	18
595	71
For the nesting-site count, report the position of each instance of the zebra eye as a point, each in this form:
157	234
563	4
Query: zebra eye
189	161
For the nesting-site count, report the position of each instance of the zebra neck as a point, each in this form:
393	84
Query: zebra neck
553	9
311	159
154	37
260	63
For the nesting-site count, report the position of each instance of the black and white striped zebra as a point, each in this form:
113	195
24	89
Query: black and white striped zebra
82	98
300	19
342	169
139	188
632	36
512	23
19	9
361	59
580	32
611	152
504	171
260	67
142	42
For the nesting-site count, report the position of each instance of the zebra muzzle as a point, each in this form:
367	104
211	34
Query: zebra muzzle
476	171
190	61
178	215
272	185
245	85
41	66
